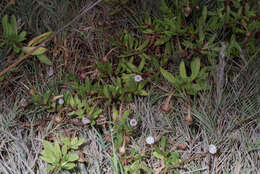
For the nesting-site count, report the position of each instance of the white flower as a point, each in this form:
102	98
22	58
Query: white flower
149	140
212	149
50	72
133	122
60	101
85	120
138	78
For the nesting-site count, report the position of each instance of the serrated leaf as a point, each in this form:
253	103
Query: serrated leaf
37	52
132	67
21	36
143	45
65	140
168	76
42	58
195	68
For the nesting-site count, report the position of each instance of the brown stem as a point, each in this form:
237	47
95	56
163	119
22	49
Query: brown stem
191	159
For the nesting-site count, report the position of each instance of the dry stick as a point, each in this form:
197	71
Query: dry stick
84	10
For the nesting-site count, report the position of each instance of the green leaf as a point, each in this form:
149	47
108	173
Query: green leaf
21	36
37	52
195	68
46	96
162	40
48	154
142	93
106	92
42	58
132	67
163	143
65	140
14	25
72	157
141	65
204	14
168	76
158	155
183	73
57	150
143	45
5	26
64	150
68	166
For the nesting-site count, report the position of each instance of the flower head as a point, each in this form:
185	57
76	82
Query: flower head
133	122
85	120
50	72
149	140
138	78
60	101
212	149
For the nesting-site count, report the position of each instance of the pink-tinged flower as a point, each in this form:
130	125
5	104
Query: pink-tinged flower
50	72
85	120
60	101
133	122
149	140
138	78
212	149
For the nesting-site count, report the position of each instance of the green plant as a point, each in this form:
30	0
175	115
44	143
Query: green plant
81	108
61	157
14	41
188	85
121	127
124	88
11	38
185	84
169	159
136	165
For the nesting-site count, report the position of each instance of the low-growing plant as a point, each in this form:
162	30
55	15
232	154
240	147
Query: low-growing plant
124	89
61	157
134	163
81	108
14	40
121	127
169	159
187	85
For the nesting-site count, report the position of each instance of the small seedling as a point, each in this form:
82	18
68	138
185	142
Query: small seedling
61	157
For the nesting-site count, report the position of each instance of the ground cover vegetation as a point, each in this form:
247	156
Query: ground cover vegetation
131	87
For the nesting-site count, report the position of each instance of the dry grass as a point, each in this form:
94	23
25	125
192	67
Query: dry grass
233	125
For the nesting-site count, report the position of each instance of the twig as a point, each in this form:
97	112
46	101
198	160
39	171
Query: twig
84	10
201	155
